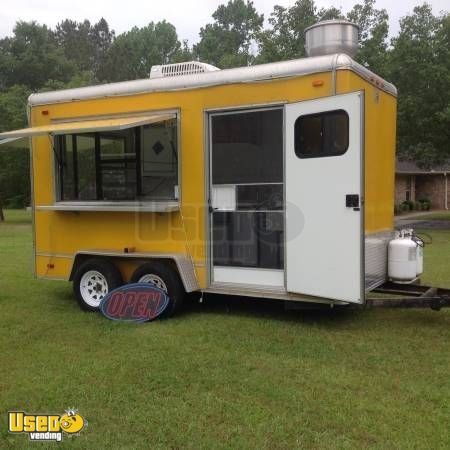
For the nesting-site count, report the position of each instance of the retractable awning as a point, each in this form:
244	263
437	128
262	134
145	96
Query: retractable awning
11	141
84	126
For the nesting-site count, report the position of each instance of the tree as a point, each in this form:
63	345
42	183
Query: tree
14	162
101	40
373	32
227	42
419	65
133	53
31	57
184	53
286	37
76	40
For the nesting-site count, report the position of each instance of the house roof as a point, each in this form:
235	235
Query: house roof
410	167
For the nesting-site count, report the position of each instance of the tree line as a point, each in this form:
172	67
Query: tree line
73	54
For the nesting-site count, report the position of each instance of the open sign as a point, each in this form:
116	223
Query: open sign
137	302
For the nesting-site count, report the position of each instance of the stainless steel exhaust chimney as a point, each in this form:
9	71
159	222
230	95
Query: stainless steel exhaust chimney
331	36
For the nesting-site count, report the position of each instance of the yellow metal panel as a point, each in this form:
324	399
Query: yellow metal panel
379	150
53	267
178	232
184	231
86	126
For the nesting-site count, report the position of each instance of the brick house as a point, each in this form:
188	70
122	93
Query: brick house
414	183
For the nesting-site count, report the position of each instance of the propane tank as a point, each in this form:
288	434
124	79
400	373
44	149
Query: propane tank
402	257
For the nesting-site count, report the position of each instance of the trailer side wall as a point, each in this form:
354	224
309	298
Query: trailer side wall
59	235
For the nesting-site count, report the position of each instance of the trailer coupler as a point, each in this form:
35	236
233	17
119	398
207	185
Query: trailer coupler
410	296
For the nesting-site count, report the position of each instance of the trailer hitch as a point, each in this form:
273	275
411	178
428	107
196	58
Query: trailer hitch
441	303
410	296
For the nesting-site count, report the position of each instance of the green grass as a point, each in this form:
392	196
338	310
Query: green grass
441	215
437	258
17	216
231	374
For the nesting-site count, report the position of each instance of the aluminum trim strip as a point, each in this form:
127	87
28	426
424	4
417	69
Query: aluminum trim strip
273	294
376	258
262	72
162	206
184	264
55	255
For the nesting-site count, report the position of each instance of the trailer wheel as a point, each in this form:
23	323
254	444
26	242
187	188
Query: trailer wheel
93	280
165	278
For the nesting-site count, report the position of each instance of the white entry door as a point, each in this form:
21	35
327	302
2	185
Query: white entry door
324	197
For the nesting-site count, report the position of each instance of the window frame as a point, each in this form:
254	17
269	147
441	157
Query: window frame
144	204
297	147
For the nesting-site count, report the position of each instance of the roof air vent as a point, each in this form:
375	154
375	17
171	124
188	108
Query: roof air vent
184	68
331	36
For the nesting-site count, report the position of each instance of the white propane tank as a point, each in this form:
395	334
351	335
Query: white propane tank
402	257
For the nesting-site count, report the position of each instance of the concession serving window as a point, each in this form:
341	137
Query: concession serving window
128	163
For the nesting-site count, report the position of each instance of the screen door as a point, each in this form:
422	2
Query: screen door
246	198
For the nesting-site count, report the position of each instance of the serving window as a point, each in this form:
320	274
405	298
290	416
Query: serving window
135	164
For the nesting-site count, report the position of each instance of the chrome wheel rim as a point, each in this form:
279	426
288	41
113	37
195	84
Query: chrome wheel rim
93	287
154	279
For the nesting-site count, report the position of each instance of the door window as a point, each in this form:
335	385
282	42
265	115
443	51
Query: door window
322	134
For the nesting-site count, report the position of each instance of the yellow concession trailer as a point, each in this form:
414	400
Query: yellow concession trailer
275	180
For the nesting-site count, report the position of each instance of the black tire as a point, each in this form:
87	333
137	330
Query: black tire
110	274
171	279
193	297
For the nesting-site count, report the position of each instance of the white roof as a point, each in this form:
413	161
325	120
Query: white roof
284	69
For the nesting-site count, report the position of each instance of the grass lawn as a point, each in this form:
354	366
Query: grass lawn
231	374
439	215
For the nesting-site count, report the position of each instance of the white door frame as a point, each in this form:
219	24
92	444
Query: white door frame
250	277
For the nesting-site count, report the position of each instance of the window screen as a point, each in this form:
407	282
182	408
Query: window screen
159	160
248	239
139	163
84	169
248	147
118	165
322	134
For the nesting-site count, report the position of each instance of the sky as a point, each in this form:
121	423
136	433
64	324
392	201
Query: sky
187	16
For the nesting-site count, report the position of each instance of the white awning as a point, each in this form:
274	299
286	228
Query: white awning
13	142
85	126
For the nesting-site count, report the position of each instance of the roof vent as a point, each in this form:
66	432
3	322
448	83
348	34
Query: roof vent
331	36
184	68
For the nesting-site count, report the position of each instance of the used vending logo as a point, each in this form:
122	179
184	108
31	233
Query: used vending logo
46	427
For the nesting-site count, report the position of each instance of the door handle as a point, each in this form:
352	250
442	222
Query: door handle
352	201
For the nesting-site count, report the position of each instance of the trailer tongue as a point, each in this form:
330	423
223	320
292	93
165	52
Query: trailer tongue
410	296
